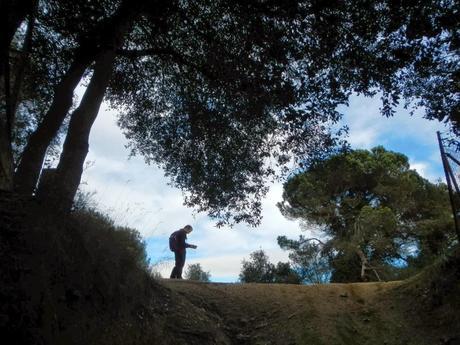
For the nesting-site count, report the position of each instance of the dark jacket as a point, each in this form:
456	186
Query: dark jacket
179	244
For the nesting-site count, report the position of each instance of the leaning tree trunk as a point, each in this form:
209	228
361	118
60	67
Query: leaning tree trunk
28	171
33	156
61	190
66	179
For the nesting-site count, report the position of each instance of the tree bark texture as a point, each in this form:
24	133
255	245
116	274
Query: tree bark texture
70	168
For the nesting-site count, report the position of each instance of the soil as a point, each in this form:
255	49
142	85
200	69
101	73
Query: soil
361	313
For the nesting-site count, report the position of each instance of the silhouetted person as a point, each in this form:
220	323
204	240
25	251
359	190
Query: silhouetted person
178	245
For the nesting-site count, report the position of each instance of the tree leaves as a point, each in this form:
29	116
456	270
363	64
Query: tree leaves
227	95
368	203
196	272
230	93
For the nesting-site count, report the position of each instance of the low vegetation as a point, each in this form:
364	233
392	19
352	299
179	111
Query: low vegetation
75	279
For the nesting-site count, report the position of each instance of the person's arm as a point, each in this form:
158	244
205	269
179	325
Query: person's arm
189	245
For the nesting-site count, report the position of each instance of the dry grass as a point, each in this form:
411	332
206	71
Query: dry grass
362	313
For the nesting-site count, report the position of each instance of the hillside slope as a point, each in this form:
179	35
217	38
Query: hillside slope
363	313
79	279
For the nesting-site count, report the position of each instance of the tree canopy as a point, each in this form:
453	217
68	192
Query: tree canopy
224	88
224	94
373	211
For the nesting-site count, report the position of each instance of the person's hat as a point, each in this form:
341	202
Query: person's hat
188	228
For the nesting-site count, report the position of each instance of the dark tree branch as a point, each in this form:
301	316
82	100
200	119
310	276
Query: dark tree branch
312	239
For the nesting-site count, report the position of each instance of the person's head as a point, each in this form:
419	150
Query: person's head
188	229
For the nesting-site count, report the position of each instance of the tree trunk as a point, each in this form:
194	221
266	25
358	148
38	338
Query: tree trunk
67	176
109	32
13	13
70	168
365	265
6	153
32	158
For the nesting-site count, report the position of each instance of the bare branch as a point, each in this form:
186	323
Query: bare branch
312	239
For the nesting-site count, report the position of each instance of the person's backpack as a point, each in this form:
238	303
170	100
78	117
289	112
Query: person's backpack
173	241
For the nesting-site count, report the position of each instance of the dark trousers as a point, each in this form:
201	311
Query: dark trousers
180	262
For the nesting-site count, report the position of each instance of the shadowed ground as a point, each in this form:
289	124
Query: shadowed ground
362	313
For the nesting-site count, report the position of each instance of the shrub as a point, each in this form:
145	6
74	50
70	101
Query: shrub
73	279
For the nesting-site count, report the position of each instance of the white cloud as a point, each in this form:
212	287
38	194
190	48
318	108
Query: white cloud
424	169
368	127
363	138
412	135
221	251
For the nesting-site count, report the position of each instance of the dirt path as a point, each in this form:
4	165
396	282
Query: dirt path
283	314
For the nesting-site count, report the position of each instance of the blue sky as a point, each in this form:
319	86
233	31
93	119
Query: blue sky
138	195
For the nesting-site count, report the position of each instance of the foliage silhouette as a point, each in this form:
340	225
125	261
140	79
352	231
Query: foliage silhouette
195	272
229	92
260	270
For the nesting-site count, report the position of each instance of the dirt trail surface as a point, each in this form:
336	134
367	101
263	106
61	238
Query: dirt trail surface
362	313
